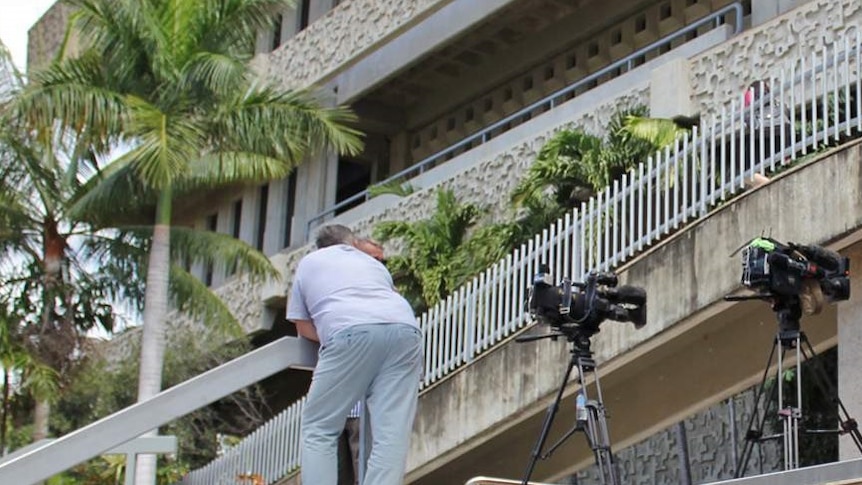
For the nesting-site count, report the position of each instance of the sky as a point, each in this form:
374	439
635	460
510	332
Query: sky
16	18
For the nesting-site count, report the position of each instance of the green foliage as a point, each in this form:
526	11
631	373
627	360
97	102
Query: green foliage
574	165
395	187
440	252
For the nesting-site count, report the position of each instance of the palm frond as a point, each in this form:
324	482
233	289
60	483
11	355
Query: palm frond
283	125
116	196
194	298
233	24
659	132
224	168
216	72
75	93
210	248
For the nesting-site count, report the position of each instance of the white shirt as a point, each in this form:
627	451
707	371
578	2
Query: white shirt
339	286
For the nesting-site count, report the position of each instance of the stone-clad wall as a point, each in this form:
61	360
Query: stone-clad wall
341	36
709	436
46	36
723	72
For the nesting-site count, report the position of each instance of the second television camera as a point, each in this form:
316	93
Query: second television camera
574	307
782	270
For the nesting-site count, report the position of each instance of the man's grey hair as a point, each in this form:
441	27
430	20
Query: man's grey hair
334	234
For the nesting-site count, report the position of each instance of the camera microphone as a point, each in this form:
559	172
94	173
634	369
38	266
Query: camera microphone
783	261
627	294
829	260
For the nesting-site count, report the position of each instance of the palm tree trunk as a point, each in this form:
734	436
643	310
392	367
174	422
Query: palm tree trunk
41	412
4	419
53	250
155	312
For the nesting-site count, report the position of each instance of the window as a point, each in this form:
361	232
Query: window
237	219
276	33
304	7
211	225
263	200
290	199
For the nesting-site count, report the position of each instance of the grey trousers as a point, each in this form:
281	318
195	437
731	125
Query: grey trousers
382	363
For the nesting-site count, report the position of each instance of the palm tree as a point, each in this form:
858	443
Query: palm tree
573	165
171	79
441	253
20	366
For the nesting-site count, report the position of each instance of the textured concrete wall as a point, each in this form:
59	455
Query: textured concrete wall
722	73
340	37
46	36
711	437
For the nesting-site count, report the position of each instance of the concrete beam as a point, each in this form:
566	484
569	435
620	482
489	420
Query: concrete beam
437	30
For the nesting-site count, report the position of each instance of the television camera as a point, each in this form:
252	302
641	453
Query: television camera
575	311
775	269
796	280
574	307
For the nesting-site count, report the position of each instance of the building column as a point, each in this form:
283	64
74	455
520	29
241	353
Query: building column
315	192
276	217
670	90
765	10
850	353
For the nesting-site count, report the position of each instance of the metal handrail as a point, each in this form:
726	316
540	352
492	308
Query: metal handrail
92	440
550	101
498	481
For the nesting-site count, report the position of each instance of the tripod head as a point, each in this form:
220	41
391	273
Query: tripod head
578	337
788	312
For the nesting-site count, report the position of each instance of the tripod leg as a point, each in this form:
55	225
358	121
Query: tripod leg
752	434
597	432
546	427
848	424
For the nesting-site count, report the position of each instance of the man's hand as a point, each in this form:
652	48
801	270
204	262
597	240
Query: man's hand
306	329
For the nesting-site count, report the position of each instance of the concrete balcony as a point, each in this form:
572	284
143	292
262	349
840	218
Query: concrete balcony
695	350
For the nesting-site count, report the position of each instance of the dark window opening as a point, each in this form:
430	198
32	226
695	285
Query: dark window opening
290	202
489	104
353	178
640	23
236	229
211	225
237	219
276	33
304	7
665	11
263	200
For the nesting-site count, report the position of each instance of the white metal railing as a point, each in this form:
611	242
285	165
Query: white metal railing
819	100
270	452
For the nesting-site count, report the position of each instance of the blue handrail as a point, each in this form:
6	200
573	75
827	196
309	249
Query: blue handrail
549	102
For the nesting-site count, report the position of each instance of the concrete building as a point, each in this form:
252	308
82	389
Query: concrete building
463	94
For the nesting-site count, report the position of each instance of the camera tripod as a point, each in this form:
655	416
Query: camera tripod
591	418
790	338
